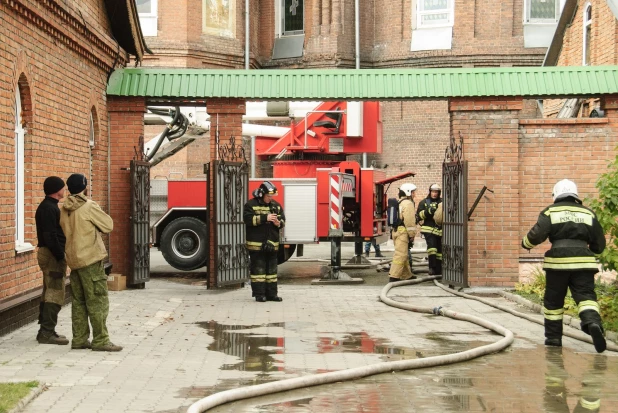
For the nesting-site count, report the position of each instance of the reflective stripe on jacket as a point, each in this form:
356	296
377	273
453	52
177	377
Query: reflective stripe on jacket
575	234
426	208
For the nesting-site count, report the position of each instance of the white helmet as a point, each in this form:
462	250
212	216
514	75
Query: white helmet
564	189
407	189
435	187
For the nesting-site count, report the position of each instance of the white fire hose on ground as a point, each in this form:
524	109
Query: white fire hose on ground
359	372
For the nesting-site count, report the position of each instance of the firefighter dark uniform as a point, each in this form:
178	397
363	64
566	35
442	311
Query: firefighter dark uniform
576	236
263	241
430	230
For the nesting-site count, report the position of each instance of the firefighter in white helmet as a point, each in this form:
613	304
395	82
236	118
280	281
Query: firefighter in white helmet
576	236
430	229
403	233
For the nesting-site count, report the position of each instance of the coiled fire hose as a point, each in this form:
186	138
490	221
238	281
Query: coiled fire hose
379	368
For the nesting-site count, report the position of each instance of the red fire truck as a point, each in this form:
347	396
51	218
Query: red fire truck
323	194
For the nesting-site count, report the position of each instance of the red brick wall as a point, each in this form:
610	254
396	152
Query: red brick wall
59	90
127	125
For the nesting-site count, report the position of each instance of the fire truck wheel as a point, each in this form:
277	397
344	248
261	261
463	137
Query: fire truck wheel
183	243
284	254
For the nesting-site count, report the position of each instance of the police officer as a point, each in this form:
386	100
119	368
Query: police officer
50	256
576	236
263	218
430	229
403	235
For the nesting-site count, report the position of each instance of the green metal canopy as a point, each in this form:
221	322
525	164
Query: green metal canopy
350	84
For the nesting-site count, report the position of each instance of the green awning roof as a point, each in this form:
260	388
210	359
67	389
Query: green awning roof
350	84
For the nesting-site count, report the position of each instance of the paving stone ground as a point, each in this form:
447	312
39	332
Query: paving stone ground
183	342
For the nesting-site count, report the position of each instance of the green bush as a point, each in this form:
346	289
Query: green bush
607	297
606	208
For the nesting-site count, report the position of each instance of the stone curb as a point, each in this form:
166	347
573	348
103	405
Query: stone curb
567	319
31	396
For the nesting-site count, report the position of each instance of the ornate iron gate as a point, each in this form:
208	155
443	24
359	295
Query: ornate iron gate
455	225
230	182
140	223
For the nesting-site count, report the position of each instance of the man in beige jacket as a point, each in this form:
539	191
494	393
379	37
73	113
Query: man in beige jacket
83	221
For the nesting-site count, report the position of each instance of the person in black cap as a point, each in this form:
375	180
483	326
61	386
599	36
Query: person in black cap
50	256
83	221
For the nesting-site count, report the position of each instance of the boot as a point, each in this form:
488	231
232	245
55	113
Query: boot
379	254
84	346
260	298
275	298
596	332
108	347
51	338
553	342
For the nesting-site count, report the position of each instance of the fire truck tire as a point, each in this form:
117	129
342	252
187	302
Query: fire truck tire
285	253
183	243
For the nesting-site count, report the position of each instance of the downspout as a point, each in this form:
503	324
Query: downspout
247	34
357	50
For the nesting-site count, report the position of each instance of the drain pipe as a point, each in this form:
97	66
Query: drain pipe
246	34
357	51
359	372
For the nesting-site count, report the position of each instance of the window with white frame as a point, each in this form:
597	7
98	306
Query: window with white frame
20	205
434	13
147	12
542	11
587	34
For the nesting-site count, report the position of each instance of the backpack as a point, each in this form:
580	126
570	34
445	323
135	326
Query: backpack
392	213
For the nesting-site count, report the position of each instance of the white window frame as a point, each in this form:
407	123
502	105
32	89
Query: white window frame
149	21
528	20
20	205
280	24
450	10
586	25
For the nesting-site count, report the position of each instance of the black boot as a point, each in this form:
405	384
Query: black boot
554	342
596	332
260	298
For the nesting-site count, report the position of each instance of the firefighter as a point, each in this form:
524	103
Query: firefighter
403	234
263	218
576	236
430	229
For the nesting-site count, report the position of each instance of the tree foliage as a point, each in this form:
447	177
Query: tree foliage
606	208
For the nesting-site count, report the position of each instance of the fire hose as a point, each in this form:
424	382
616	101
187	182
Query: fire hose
360	372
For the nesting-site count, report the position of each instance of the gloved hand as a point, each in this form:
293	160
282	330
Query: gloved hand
268	247
432	208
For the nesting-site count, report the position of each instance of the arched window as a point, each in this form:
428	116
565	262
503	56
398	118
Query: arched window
587	22
20	205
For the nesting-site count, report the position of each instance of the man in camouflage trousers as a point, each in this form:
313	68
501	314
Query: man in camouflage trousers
50	256
83	221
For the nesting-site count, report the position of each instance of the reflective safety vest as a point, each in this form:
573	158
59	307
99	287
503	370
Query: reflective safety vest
575	233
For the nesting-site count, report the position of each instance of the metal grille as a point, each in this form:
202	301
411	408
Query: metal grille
140	222
231	182
455	225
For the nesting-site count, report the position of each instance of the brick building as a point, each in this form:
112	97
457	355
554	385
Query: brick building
321	34
55	57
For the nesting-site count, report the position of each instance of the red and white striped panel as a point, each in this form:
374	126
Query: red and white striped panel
335	204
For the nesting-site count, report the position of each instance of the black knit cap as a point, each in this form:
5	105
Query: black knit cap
52	185
76	183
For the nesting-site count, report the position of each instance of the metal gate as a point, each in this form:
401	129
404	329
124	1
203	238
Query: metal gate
140	223
230	184
455	225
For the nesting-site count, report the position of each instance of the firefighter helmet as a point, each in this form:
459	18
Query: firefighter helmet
267	188
565	188
407	189
435	187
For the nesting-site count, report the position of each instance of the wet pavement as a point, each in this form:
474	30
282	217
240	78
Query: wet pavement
183	342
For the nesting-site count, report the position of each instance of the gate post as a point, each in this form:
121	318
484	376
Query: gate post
225	122
490	127
126	125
